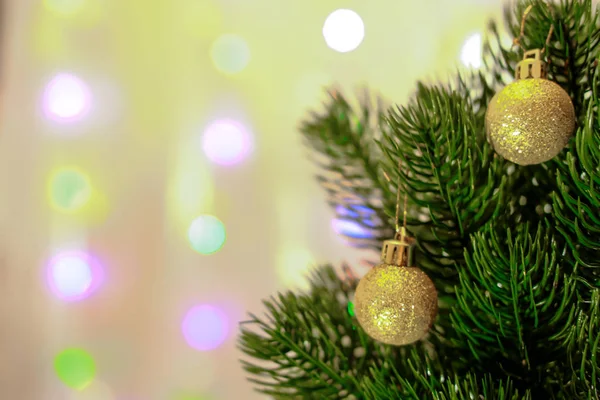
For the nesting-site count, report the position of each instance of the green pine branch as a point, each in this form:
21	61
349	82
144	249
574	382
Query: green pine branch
577	200
512	300
344	137
450	173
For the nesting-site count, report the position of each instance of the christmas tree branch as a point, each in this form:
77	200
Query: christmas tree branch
513	284
344	137
305	345
452	176
519	307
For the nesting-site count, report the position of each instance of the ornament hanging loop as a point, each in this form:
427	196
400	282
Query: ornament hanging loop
517	41
399	250
532	65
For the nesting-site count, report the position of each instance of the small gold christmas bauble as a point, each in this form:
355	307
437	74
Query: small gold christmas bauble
530	121
395	304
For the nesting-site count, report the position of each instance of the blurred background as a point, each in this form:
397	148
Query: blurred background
154	186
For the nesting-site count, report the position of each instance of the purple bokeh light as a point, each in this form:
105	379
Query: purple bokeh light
350	228
66	98
226	142
205	327
73	275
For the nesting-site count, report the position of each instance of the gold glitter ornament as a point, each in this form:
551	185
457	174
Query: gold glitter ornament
532	119
396	303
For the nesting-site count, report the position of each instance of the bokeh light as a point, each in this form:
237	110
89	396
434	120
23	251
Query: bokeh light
66	98
75	368
226	142
78	13
354	221
73	275
64	7
343	30
350	228
351	309
207	234
230	54
470	54
205	327
97	390
69	189
293	267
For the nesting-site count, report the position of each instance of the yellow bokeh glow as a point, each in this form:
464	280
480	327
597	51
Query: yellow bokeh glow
470	54
191	187
64	7
84	13
293	266
201	19
96	391
49	41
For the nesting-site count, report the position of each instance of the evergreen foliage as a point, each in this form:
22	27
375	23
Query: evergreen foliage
513	251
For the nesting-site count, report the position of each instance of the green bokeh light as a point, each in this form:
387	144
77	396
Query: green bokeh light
207	234
351	308
230	54
75	368
70	189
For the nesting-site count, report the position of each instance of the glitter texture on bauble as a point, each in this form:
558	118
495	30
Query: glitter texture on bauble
532	119
395	302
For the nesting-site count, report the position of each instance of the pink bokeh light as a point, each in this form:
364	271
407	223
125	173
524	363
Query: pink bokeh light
74	275
226	142
205	327
66	98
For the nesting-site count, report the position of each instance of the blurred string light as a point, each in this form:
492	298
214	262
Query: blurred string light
470	54
205	327
294	266
69	189
230	54
354	221
66	98
95	391
75	368
343	30
207	234
350	228
73	275
226	142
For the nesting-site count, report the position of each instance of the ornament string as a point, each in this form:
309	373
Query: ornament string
400	230
517	41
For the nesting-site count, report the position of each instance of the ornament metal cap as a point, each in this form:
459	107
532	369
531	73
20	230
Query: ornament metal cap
399	250
532	66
